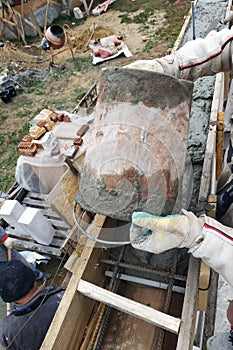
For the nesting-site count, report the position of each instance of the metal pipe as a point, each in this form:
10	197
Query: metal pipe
145	269
145	281
193	19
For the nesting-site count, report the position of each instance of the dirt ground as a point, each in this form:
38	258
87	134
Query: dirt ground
31	57
62	89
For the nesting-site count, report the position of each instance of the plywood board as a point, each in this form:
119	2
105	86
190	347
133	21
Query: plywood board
129	306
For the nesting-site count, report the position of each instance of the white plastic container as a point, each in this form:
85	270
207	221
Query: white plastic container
38	226
77	13
11	211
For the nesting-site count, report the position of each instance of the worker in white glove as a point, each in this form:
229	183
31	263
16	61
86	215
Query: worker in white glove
204	237
201	57
157	234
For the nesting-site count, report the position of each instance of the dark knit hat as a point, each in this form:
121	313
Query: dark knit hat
16	279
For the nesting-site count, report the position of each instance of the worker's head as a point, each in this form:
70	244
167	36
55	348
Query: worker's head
16	280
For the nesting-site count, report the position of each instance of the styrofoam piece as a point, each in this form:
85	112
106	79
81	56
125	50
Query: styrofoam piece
38	226
10	211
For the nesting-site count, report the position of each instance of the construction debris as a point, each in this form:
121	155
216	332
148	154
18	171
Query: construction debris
102	7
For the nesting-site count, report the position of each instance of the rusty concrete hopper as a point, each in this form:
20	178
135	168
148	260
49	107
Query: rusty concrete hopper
137	149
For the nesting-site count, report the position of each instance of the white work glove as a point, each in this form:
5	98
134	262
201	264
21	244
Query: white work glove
9	243
157	234
150	65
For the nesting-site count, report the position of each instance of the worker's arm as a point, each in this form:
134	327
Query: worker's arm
5	239
197	58
206	238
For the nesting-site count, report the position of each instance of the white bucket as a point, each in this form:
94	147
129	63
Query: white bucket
77	13
38	226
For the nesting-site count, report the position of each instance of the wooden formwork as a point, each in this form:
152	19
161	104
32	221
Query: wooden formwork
75	320
76	317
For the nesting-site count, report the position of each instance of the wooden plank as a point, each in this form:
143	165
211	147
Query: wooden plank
204	283
183	29
35	5
61	198
14	234
35	203
22	245
34	19
59	226
74	309
75	233
46	15
124	329
129	306
36	195
219	144
188	318
8	22
205	186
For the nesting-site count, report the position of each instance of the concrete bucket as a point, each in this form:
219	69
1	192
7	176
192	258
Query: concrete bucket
137	148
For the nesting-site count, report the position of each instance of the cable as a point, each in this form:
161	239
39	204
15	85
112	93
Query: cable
94	238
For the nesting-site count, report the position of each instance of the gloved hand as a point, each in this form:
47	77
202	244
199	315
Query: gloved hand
9	243
151	65
156	234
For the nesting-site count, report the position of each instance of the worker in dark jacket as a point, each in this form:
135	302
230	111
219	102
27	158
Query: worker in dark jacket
6	246
33	307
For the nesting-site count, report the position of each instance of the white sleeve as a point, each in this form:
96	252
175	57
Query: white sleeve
215	248
208	56
197	58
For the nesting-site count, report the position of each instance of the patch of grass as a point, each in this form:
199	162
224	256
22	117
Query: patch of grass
3	117
174	18
79	64
149	45
9	155
141	18
27	110
133	6
27	104
82	64
35	86
79	92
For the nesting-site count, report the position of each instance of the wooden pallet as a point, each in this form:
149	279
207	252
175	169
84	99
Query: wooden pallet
22	242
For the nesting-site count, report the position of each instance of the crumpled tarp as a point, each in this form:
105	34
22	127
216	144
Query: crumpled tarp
108	48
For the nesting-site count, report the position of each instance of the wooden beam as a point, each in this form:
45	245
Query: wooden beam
34	18
8	22
209	159
188	317
183	29
73	309
129	306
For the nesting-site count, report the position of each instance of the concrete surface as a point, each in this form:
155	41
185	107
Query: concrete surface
208	13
